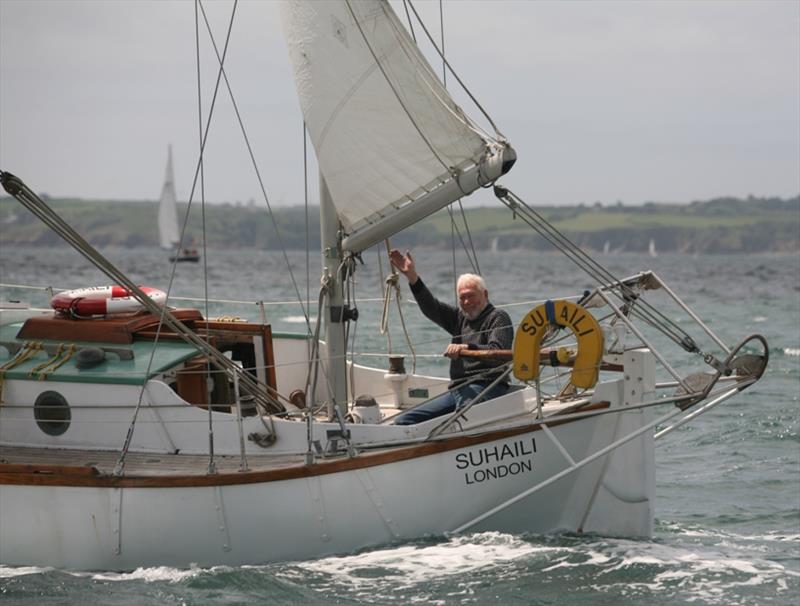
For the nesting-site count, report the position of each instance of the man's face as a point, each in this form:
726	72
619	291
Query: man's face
472	299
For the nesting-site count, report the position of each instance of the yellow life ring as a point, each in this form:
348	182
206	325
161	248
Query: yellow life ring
531	331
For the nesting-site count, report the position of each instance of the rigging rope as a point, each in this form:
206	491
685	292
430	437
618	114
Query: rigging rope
455	75
473	258
256	169
212	468
441	28
385	285
632	303
410	24
453	255
394	281
476	268
308	243
398	97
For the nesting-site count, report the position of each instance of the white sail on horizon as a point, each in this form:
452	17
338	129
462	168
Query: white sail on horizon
385	130
168	232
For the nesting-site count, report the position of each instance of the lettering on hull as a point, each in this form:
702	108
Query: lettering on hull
493	462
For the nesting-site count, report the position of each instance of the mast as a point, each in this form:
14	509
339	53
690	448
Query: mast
334	312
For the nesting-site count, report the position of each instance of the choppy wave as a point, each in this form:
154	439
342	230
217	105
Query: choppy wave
9	572
684	564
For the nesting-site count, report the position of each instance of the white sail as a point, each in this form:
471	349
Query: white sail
385	130
168	232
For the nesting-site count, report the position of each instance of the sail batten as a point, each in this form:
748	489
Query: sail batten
385	130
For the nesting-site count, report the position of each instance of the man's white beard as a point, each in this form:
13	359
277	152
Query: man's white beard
474	314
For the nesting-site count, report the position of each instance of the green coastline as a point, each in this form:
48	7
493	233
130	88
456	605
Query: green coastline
722	225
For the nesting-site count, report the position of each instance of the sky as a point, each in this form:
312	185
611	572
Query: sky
629	101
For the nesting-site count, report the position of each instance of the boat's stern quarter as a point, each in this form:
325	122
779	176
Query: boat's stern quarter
62	378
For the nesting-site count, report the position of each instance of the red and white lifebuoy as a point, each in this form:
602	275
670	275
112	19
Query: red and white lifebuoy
102	300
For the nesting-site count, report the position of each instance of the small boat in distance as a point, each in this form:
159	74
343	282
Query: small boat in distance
169	235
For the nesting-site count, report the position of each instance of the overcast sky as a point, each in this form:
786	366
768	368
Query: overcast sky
603	101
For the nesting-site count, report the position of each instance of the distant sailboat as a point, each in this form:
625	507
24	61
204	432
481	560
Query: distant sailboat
168	232
651	249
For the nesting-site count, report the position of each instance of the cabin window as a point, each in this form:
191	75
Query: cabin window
52	413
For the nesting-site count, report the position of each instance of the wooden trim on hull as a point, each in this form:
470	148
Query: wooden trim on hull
88	476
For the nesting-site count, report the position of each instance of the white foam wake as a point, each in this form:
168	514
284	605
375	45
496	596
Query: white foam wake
150	575
412	565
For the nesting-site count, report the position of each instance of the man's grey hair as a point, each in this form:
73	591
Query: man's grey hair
471	279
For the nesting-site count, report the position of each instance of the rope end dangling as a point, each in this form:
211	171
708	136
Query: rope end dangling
504	195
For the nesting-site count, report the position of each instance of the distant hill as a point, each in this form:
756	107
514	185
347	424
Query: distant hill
722	225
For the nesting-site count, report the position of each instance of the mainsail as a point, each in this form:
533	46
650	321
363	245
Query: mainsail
168	232
392	144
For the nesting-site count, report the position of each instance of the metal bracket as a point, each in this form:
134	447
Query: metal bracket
338	441
343	313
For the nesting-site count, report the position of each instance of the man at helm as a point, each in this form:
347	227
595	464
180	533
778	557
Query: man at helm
474	324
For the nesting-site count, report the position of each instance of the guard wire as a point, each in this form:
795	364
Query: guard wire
636	306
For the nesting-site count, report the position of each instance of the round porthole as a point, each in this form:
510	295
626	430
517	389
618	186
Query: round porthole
52	413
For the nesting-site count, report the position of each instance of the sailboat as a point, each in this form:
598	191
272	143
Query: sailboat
169	235
155	436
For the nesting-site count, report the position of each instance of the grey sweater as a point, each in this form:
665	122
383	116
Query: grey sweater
492	329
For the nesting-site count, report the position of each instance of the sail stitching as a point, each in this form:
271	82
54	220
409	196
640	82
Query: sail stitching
341	105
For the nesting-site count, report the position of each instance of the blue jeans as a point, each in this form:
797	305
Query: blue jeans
448	402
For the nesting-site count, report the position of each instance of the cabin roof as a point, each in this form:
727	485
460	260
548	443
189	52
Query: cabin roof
124	363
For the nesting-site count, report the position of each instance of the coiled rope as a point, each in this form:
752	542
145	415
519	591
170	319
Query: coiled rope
392	284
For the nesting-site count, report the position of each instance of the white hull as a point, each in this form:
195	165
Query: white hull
89	528
500	468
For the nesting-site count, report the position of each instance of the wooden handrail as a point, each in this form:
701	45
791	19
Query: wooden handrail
506	355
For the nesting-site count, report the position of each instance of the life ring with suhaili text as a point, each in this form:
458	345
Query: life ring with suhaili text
102	300
566	314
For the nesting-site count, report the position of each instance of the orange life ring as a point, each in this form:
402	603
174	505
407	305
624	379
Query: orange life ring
102	300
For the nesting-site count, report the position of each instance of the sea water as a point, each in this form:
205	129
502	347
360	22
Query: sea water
727	527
